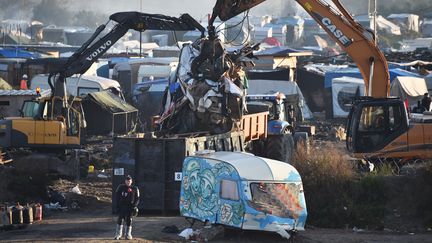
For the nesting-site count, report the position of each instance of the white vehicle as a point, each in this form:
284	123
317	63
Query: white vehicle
243	191
77	86
150	72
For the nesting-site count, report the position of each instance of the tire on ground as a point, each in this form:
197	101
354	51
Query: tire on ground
280	147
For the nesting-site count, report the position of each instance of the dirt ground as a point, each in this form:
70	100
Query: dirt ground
96	224
92	221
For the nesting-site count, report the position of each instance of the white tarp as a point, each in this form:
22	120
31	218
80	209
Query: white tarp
344	89
410	88
406	21
261	86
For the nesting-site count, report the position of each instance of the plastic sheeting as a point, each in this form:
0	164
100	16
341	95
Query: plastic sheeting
344	89
106	113
258	86
411	88
111	102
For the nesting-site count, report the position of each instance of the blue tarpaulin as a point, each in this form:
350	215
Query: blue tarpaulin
355	73
103	71
18	53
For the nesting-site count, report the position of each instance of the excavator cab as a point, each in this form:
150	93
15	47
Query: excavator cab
39	127
375	123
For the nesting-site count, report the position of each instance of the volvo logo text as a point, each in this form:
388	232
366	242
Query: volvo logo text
102	48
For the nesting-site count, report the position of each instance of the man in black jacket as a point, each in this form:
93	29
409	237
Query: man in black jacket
127	199
426	102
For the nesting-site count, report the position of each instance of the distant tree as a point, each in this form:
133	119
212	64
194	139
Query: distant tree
53	12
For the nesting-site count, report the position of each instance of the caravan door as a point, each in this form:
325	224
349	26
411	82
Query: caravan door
231	208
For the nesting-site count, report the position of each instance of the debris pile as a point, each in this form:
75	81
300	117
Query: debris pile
330	130
204	234
209	91
99	149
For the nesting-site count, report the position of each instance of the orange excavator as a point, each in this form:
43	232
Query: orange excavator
379	127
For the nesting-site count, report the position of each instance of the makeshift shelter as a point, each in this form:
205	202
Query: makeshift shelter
294	29
259	86
312	85
426	28
16	52
355	73
106	113
406	21
409	88
428	79
126	72
382	23
344	89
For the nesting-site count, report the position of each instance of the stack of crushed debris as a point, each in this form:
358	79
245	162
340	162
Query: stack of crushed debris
209	91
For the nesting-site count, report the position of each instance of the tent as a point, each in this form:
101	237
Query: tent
259	86
106	113
411	88
344	89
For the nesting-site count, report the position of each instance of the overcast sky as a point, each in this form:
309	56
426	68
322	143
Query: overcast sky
197	8
23	9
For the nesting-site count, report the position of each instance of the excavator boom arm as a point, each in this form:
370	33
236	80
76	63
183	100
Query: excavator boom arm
85	56
339	24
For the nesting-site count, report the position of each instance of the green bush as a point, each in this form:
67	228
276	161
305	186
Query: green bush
369	201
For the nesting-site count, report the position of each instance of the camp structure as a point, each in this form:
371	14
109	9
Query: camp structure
409	88
106	113
344	90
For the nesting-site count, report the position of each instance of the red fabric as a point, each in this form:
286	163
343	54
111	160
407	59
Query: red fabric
272	41
23	84
406	104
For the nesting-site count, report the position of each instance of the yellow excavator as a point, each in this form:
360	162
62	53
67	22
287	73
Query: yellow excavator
379	127
51	127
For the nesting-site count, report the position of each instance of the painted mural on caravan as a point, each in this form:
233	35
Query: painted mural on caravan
218	191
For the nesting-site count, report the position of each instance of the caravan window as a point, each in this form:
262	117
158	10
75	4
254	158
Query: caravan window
85	90
228	190
278	199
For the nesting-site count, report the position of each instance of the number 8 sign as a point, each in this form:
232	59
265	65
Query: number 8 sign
178	176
